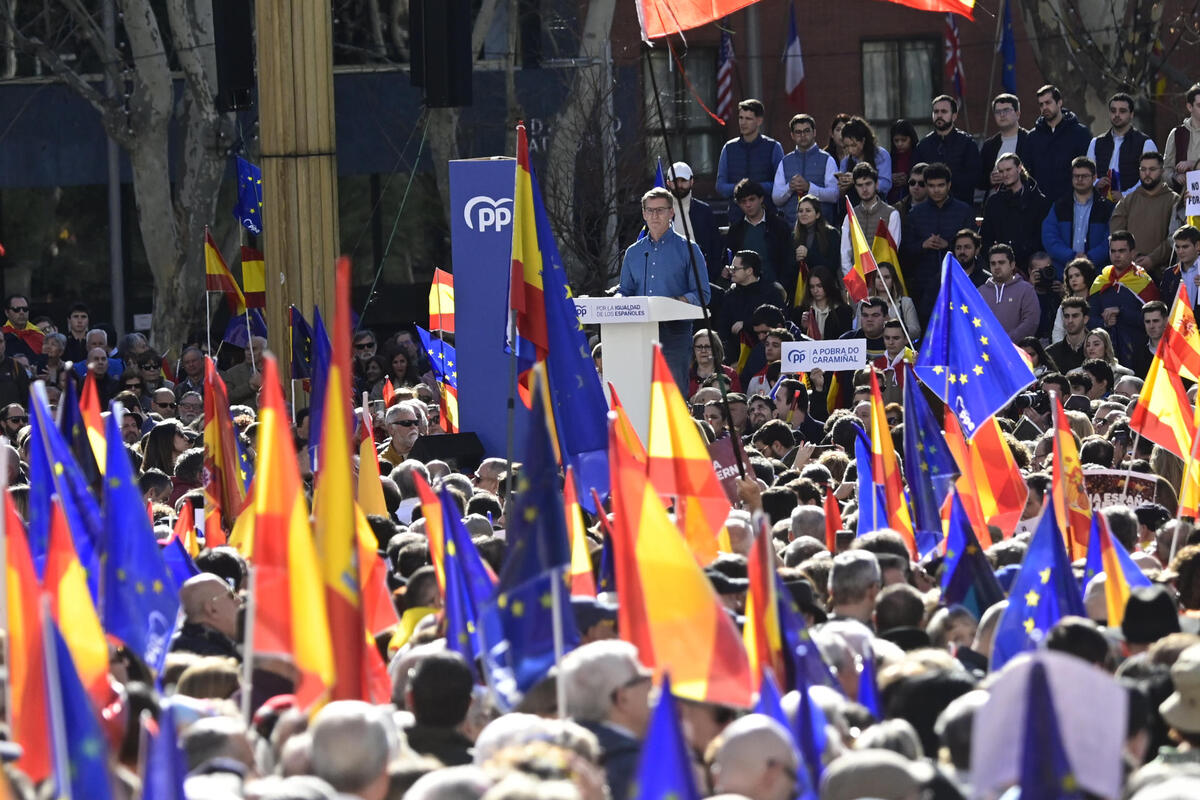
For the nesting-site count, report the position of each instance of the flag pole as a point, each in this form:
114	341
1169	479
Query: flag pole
7	652
556	609
995	55
58	724
248	645
892	302
207	322
250	344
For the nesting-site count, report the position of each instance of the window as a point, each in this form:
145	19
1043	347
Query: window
898	81
695	137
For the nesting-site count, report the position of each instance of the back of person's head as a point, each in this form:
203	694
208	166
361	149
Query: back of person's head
451	783
897	735
1122	524
1079	637
216	737
880	542
778	503
898	606
439	687
226	563
591	674
853	575
350	745
953	727
402	475
212	677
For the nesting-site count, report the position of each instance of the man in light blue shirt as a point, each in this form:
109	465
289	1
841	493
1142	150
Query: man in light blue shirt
1082	212
659	265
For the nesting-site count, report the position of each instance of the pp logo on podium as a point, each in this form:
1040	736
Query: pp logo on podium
482	213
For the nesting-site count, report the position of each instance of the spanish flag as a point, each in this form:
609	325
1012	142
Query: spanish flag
431	511
218	278
370	490
290	612
833	521
864	262
224	492
357	666
30	713
70	602
1162	412
378	611
762	634
680	466
1072	506
668	608
1121	574
254	278
1183	336
625	429
441	302
886	470
93	422
1135	279
583	581
526	298
1189	490
883	248
990	486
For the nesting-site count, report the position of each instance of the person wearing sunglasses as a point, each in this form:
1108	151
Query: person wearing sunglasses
13	418
24	338
916	191
403	422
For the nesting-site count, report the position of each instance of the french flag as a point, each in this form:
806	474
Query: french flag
793	66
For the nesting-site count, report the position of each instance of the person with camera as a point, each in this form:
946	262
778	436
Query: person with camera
1068	352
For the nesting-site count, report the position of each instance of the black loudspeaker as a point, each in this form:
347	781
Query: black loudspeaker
462	451
440	48
233	35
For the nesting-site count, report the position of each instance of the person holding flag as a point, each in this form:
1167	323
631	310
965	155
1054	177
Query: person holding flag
1118	294
664	264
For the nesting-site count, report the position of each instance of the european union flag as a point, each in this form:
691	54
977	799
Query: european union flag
301	344
576	397
967	358
929	467
868	688
237	333
1045	768
70	425
810	734
665	768
797	640
53	470
1008	51
872	510
967	576
139	606
1044	592
82	770
470	628
538	556
608	570
769	700
179	563
442	358
322	355
166	766
249	207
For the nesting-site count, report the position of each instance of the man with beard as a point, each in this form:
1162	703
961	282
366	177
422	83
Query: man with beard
1057	139
701	225
1116	153
946	144
966	252
1146	213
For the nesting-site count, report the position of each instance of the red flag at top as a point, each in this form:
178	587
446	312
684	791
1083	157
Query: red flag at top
666	17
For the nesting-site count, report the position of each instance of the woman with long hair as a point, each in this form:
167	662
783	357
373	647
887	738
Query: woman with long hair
860	145
904	144
1077	282
824	314
817	243
165	442
834	148
1042	362
708	358
901	305
1098	344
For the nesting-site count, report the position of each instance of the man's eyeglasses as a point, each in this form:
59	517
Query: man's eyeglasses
165	405
406	423
916	183
656	210
20	420
363	345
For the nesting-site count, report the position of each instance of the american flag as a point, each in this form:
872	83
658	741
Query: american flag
725	76
954	67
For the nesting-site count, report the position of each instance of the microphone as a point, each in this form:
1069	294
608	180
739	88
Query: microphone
645	267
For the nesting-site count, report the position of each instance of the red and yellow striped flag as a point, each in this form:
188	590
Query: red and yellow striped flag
431	511
833	521
224	492
583	581
441	302
668	608
1162	412
864	263
1183	336
93	422
290	612
1072	506
883	249
625	429
65	582
254	278
30	713
218	278
378	610
370	490
886	470
990	485
679	465
761	634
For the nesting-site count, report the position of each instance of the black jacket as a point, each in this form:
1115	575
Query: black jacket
779	262
1015	219
958	151
990	151
1051	151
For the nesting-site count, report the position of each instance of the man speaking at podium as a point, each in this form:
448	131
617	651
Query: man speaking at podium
659	265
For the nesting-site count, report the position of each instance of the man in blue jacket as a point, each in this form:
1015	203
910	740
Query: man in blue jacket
752	155
929	233
1077	225
1057	138
694	219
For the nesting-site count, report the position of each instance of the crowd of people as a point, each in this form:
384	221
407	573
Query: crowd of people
1077	244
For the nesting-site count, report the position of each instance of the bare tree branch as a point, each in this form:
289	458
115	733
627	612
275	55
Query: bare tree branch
110	59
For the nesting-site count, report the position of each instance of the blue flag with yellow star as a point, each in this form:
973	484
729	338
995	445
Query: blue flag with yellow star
1008	51
797	640
322	354
166	766
810	732
53	470
665	768
471	626
868	687
74	432
138	606
1045	767
1131	573
80	749
929	467
443	360
1044	591
967	577
301	342
967	358
249	207
539	554
872	510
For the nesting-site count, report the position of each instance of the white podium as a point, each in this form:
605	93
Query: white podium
628	326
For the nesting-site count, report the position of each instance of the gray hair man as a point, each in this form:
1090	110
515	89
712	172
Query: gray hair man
854	582
351	747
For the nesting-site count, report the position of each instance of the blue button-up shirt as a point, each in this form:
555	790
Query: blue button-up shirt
663	269
1079	225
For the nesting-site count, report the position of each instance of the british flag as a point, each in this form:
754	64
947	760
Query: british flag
725	76
955	78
